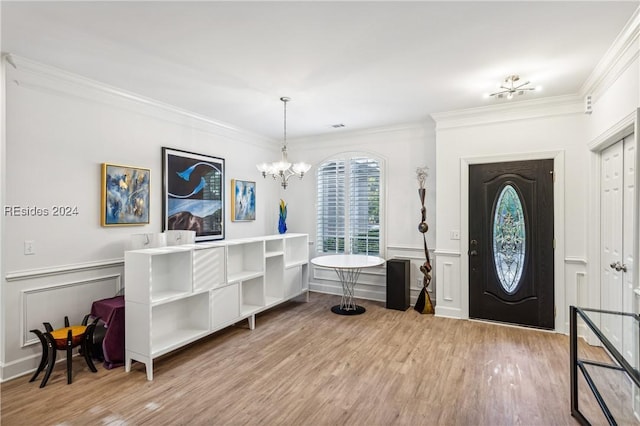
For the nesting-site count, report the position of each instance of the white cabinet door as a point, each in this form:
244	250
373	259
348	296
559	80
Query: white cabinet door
225	305
292	281
208	268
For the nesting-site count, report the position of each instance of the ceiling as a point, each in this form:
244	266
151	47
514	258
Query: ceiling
361	64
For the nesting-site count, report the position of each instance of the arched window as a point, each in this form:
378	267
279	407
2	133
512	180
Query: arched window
349	205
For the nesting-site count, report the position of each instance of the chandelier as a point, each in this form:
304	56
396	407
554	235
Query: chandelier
283	169
511	86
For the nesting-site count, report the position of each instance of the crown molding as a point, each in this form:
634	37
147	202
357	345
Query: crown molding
624	50
509	111
619	130
64	82
339	137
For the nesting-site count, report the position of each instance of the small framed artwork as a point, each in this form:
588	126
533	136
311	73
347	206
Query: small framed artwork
193	193
125	195
243	200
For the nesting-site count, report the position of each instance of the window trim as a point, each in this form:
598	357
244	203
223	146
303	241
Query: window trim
347	156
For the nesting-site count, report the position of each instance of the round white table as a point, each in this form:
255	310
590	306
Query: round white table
348	267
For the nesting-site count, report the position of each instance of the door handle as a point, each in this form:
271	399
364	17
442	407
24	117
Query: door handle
473	244
621	267
618	266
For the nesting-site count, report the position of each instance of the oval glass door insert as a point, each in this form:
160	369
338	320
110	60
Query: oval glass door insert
509	238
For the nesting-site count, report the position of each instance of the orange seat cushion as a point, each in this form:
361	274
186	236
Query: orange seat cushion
60	335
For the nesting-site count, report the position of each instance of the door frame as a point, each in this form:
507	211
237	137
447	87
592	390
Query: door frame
619	131
558	224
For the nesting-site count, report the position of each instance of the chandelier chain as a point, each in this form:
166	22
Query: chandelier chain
285	100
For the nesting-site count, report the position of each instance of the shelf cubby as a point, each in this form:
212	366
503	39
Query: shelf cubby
274	279
296	249
178	323
273	247
245	260
167	273
252	296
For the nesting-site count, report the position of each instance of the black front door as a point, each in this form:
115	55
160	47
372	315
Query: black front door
511	242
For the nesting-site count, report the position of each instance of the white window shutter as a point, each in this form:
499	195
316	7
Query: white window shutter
331	207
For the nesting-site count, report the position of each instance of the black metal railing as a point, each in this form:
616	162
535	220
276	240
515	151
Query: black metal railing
621	364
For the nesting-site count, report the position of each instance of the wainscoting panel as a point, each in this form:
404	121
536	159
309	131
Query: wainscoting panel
48	294
447	284
449	301
576	291
72	299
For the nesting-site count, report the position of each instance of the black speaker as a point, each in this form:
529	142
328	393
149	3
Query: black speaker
398	275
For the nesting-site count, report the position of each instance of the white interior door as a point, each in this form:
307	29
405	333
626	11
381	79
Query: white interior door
617	257
628	239
611	240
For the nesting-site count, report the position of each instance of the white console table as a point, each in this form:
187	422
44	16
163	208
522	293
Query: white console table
178	294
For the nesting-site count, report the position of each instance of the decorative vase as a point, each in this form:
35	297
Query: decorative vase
282	221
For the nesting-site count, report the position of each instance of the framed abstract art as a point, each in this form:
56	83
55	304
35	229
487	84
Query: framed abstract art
243	200
125	195
193	193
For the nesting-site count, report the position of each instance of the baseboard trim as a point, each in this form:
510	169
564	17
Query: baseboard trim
443	311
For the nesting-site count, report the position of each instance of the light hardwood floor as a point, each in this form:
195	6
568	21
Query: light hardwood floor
304	365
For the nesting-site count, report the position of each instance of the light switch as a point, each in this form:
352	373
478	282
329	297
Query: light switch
29	247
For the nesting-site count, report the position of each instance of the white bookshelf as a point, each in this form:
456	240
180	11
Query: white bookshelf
178	294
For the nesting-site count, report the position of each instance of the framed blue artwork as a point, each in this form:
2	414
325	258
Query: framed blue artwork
243	200
125	195
193	193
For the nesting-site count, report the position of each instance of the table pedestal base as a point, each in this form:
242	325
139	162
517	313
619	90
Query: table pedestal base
348	279
356	310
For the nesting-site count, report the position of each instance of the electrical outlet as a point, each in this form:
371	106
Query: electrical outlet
455	235
29	247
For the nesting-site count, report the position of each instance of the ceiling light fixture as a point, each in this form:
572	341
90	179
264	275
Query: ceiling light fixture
283	169
512	86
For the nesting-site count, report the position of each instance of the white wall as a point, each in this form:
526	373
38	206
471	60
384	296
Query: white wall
403	149
59	129
615	83
2	191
